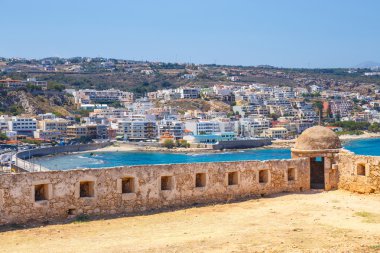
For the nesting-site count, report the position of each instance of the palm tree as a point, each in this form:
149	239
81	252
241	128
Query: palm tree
318	106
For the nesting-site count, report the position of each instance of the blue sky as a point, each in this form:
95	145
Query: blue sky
292	33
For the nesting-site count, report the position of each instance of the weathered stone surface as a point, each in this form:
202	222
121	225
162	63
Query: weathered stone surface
17	203
317	138
351	180
99	191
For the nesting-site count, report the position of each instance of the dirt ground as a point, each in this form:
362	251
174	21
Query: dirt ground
334	221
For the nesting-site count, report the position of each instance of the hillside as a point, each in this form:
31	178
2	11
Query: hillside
142	77
27	102
183	105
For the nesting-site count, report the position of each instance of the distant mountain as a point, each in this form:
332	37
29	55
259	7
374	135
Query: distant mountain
368	64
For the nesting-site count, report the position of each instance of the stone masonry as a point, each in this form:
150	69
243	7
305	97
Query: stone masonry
58	195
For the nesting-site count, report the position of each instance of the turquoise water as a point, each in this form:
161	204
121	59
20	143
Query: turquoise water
112	159
364	146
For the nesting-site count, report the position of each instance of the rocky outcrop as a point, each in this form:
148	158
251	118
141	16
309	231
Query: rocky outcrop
17	102
24	102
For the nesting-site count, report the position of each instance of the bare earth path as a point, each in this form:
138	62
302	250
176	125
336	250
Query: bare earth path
333	221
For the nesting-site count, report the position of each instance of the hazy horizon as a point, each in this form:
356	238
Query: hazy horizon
373	63
291	34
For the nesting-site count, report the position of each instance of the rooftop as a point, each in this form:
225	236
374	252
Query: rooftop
318	138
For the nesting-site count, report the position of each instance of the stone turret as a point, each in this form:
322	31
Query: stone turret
317	138
321	145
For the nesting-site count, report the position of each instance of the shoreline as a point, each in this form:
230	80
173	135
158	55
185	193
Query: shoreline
343	138
366	135
276	144
125	147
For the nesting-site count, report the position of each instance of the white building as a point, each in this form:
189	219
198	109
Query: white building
88	96
46	116
110	112
210	138
253	127
276	133
137	130
22	125
3	124
189	93
315	88
203	127
174	128
141	106
58	124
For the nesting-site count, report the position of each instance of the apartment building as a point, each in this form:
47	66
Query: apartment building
189	93
174	128
253	127
11	84
48	135
88	96
203	127
137	130
141	106
46	116
34	82
210	138
76	131
15	84
109	113
23	126
57	124
341	108
3	124
276	133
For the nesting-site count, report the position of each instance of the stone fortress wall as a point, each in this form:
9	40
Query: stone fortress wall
58	195
318	162
348	171
239	144
61	149
22	164
358	173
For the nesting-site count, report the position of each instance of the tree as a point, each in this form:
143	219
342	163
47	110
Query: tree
85	139
166	84
32	87
273	116
55	86
3	137
169	144
116	104
182	144
318	105
375	127
352	125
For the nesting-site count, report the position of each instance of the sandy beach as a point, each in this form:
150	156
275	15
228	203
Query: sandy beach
366	135
280	144
343	138
123	147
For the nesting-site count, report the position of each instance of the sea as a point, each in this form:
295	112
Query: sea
114	159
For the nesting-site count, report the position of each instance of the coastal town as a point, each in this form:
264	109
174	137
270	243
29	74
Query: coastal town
233	113
197	126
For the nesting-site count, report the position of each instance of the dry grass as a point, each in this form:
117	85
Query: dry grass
312	222
369	217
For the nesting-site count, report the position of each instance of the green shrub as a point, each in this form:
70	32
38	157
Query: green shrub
168	144
82	218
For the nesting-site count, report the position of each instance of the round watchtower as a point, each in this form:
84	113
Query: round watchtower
321	145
